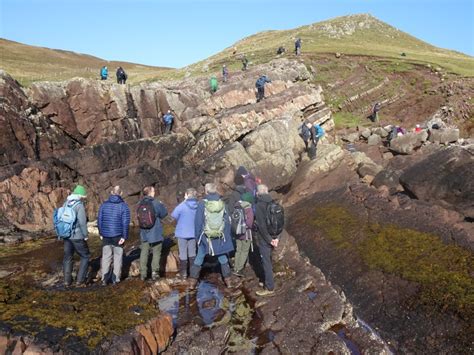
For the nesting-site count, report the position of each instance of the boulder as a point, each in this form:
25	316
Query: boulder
368	169
365	133
446	178
351	137
374	139
388	178
443	136
407	143
380	132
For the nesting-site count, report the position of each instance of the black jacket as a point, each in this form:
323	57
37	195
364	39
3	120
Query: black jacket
261	218
235	196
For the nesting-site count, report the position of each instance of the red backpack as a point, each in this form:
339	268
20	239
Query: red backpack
146	214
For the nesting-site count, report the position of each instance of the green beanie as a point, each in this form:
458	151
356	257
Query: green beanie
80	190
247	197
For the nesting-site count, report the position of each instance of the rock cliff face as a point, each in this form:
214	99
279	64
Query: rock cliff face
55	135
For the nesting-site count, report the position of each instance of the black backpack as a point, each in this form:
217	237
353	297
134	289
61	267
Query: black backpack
146	214
275	218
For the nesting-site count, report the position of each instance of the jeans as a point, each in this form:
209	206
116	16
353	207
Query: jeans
266	257
82	249
241	254
155	262
260	93
167	128
201	254
187	248
108	252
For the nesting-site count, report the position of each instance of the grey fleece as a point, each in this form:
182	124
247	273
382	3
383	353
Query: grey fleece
80	232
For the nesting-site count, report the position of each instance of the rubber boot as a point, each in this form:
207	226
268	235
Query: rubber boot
183	269
194	276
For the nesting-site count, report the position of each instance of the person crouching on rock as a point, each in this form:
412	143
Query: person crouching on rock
316	133
305	133
113	222
168	120
185	214
150	212
212	232
78	240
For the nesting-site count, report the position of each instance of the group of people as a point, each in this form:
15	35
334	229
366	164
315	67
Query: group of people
311	134
212	226
120	73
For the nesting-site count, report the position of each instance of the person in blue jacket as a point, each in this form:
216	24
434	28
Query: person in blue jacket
104	73
225	73
185	214
219	247
113	222
152	238
316	133
78	240
168	120
298	46
260	85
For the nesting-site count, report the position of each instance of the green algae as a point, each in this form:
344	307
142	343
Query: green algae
443	271
91	313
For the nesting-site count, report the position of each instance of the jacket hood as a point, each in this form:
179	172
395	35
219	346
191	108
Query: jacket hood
73	197
265	198
192	203
115	199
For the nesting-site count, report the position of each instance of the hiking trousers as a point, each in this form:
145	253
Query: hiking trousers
167	128
112	252
313	148
266	257
82	249
241	254
260	93
199	260
145	248
187	248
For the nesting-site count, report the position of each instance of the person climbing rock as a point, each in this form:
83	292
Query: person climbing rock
260	85
113	221
375	109
185	214
317	132
298	46
214	85
121	76
305	133
212	232
245	63
77	242
168	120
280	50
225	73
104	73
150	212
242	218
265	241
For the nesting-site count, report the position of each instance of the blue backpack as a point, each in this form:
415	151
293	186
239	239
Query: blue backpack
64	220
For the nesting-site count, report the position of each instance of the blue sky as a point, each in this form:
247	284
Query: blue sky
179	32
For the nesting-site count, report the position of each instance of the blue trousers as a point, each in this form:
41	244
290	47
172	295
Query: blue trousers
80	247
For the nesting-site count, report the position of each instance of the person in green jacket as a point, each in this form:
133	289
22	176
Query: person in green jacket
214	84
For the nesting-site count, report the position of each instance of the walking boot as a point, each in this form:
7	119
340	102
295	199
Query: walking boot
192	283
194	272
183	270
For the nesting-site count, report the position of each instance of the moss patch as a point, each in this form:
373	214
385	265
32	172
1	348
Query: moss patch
93	313
443	271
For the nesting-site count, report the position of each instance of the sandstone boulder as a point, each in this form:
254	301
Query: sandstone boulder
407	143
388	178
351	137
374	139
443	136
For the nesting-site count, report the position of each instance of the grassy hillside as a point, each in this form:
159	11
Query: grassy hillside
355	34
29	63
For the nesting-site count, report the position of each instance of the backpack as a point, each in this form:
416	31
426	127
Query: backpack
146	214
250	184
214	222
168	119
64	220
260	82
241	218
275	218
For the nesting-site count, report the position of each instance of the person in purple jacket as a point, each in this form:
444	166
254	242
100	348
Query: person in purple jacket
184	214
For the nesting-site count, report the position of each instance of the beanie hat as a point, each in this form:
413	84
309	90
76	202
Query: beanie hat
241	171
247	197
80	190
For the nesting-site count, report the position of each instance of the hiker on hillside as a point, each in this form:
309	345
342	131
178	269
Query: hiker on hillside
260	85
375	109
214	84
121	76
77	242
298	46
418	129
305	133
212	232
245	63
104	73
225	73
316	133
281	50
150	212
113	221
185	214
264	238
168	120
